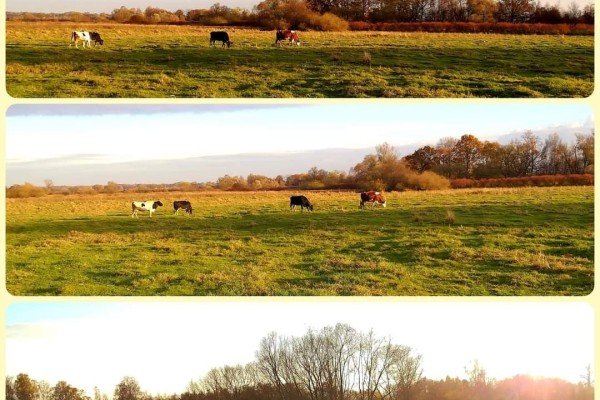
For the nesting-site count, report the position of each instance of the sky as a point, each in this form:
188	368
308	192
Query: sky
94	144
173	5
167	345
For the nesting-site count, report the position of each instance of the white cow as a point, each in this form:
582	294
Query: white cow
149	206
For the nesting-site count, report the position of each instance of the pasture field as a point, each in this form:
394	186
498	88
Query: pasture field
527	241
176	61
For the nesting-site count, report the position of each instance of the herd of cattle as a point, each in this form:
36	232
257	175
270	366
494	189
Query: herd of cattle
374	198
217	36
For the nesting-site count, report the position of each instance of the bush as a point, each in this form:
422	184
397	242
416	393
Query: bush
428	181
25	190
329	22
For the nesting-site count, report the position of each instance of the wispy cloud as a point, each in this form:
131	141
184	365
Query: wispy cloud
29	331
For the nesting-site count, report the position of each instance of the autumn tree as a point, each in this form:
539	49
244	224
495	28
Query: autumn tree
128	389
585	152
24	387
515	10
63	391
467	154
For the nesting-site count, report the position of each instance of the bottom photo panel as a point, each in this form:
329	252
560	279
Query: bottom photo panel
299	350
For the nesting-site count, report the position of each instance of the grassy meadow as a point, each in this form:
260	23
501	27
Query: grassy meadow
527	241
176	61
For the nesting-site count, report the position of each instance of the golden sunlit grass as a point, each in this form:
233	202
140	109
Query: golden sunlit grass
176	61
527	241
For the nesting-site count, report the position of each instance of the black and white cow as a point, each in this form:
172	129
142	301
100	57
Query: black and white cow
301	201
182	205
150	206
220	36
86	38
290	36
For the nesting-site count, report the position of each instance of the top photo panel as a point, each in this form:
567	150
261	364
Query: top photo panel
300	49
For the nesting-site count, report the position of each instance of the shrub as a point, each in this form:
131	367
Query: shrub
25	190
329	22
427	181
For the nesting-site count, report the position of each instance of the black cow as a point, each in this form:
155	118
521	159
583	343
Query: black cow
183	205
220	36
301	201
95	36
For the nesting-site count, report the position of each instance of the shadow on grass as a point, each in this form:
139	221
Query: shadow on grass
501	72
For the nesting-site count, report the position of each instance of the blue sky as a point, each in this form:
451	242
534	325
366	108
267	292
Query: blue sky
51	341
92	144
109	5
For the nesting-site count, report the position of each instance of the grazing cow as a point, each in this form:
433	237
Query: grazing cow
373	198
95	36
290	36
220	36
301	201
86	38
183	205
149	206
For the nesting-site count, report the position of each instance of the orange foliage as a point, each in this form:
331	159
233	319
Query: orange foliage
476	27
539	180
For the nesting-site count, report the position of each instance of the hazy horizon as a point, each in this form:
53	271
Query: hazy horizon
51	341
136	144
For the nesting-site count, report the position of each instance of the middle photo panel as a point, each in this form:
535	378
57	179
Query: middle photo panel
308	200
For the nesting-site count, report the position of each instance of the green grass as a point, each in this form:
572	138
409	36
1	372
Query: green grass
176	61
537	241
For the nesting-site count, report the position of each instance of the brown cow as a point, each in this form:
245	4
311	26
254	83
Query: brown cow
290	36
373	198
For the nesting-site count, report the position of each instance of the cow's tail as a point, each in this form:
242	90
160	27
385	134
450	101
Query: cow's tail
73	36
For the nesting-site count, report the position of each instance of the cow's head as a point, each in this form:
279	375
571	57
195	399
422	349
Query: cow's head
95	36
229	43
157	204
310	207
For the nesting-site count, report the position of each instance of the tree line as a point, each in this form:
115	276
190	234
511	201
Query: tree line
335	14
469	157
527	161
334	363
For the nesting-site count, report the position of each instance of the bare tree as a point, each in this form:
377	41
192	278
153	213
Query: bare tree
10	392
43	390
